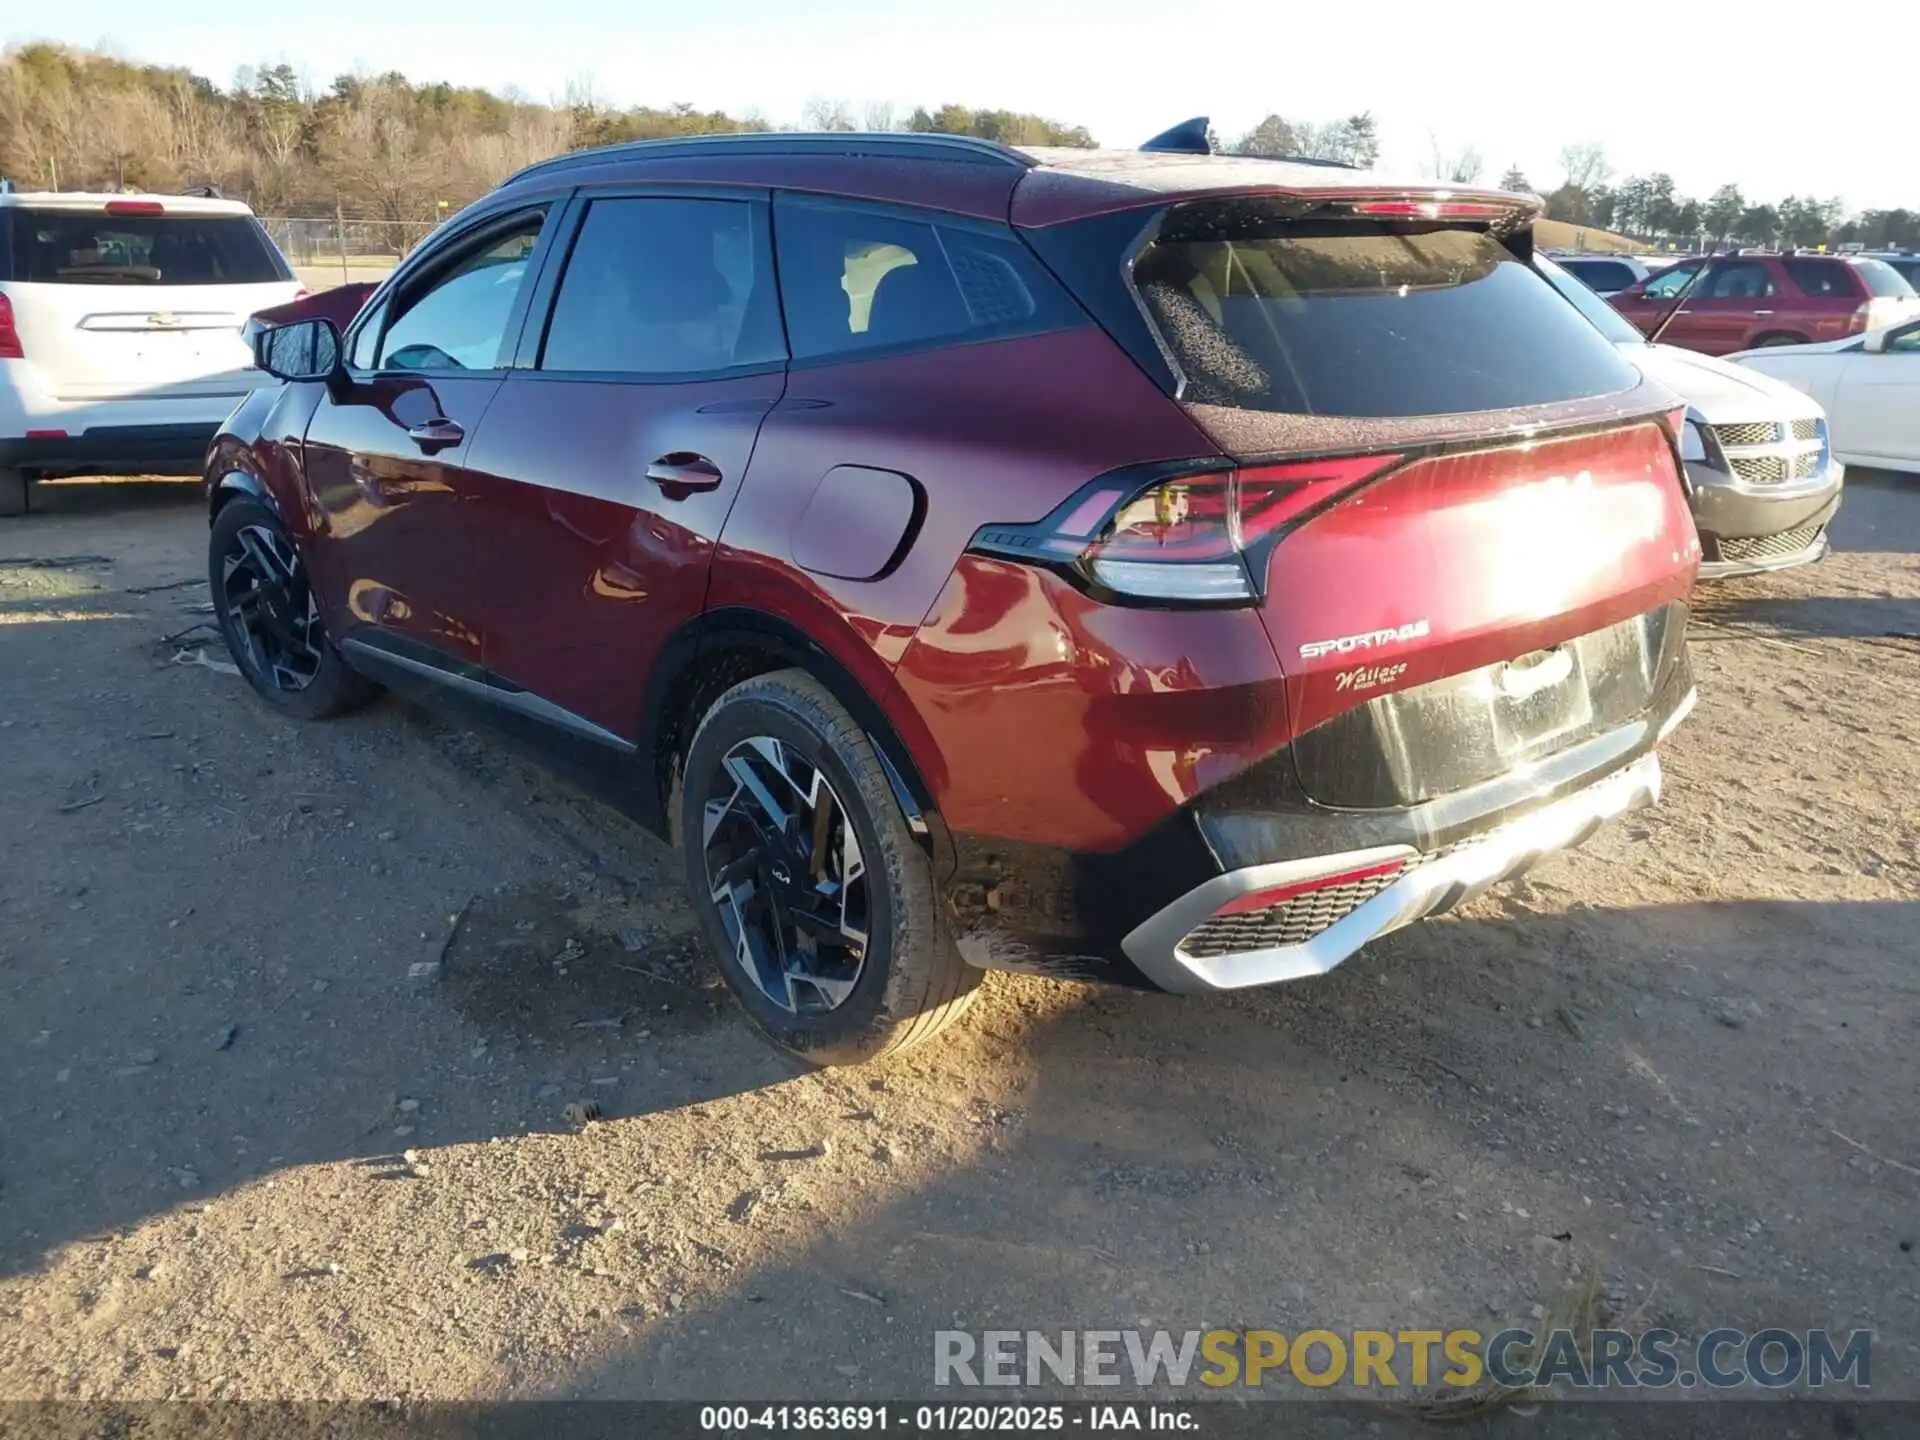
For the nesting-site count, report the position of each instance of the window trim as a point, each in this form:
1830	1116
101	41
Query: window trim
544	294
936	220
432	260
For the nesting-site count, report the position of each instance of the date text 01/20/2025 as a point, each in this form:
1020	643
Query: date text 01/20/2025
936	1419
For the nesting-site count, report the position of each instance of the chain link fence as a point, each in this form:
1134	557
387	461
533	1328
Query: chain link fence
339	249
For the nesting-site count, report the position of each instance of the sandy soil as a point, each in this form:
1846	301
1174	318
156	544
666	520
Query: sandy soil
245	1152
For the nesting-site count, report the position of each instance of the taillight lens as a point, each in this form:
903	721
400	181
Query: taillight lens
9	333
1861	320
1192	538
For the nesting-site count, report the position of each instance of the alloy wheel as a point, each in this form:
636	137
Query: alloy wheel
785	871
271	610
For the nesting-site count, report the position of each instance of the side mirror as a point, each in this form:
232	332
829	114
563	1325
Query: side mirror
1876	341
303	350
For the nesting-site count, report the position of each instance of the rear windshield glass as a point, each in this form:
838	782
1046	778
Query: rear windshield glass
1882	279
1362	319
80	247
1602	316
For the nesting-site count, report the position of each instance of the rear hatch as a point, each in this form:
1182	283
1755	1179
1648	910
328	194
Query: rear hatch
119	299
1459	507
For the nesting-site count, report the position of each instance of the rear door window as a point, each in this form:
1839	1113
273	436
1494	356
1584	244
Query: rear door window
1823	278
1362	318
666	287
93	247
1737	280
854	280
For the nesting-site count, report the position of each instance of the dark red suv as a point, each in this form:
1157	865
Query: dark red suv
1159	568
1751	300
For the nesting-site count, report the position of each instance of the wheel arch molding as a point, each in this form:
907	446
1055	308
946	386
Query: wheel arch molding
718	649
229	478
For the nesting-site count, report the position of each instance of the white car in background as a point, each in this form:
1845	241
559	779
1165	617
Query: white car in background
1761	479
1869	386
120	330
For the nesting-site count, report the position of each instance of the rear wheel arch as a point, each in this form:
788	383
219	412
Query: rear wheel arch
717	650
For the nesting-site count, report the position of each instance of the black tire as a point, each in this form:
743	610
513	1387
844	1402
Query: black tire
1778	337
907	980
314	684
13	492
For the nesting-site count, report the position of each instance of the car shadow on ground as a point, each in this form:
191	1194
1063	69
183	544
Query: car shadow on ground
1523	1101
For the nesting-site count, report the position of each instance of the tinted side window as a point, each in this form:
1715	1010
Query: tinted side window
1668	283
1738	280
666	287
1822	277
854	280
1601	274
459	321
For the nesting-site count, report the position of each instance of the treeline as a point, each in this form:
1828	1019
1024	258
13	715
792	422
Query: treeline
384	148
378	147
1651	208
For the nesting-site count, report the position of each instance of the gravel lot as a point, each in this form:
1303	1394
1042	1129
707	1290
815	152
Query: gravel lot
244	1151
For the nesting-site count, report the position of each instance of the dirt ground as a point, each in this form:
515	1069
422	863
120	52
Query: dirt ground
245	1150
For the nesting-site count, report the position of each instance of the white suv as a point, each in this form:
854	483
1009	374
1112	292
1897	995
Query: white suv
120	331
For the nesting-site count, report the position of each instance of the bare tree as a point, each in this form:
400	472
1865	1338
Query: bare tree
1584	166
1462	166
821	113
878	115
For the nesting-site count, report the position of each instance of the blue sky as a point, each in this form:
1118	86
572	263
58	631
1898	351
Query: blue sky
1705	92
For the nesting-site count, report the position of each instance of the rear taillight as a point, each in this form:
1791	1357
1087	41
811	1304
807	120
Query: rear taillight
1861	320
1189	537
9	333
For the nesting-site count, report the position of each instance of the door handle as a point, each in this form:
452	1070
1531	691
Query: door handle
436	434
1683	312
1763	312
681	473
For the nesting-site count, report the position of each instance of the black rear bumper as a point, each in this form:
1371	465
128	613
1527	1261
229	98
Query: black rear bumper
113	450
1068	915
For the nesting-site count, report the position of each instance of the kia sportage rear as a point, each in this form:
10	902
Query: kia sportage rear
1157	568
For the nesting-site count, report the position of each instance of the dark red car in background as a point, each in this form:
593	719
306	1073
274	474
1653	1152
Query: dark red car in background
1749	300
1156	567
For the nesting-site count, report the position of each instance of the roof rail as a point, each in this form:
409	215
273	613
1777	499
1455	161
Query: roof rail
891	145
1189	137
